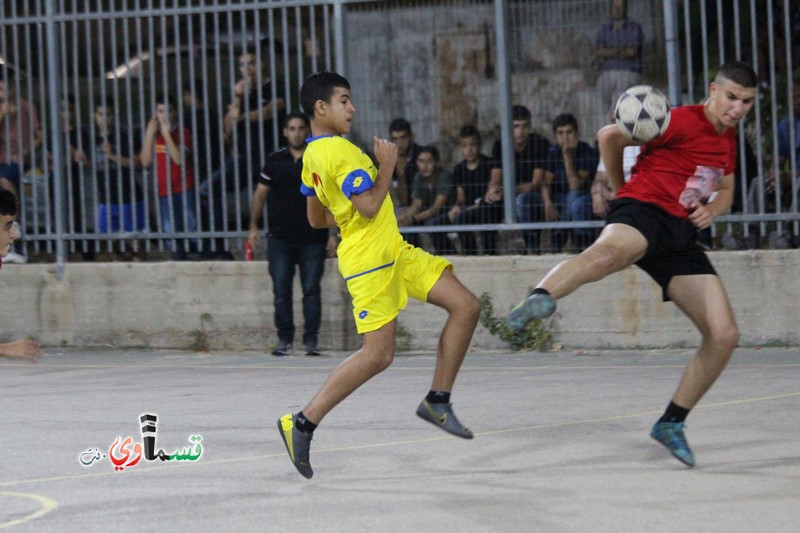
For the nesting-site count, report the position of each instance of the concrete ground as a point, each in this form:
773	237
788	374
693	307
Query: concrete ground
561	444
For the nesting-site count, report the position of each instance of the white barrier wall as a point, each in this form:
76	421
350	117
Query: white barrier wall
162	305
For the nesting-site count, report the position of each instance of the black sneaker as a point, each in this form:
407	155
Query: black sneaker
311	349
283	348
442	416
298	444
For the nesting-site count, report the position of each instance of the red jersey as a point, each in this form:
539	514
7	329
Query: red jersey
690	147
176	172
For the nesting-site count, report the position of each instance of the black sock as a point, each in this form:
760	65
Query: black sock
539	290
674	413
437	396
304	424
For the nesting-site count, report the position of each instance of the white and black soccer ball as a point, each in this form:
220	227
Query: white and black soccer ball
642	113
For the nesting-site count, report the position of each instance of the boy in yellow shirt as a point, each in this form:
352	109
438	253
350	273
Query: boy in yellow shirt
345	190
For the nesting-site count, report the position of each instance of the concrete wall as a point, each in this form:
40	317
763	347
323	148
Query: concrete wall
161	305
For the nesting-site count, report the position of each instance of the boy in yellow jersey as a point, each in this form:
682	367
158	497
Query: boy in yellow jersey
345	190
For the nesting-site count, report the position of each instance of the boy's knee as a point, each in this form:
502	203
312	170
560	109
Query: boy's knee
726	338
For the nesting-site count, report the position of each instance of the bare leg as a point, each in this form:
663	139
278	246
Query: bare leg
617	247
373	358
705	302
463	312
22	349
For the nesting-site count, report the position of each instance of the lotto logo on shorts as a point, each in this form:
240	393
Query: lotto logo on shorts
363	314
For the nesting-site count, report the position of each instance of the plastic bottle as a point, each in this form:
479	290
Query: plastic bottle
248	251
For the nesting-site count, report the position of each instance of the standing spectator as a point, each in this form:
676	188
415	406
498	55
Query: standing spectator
618	53
432	192
19	135
530	157
291	241
170	147
120	199
406	167
80	215
207	160
9	231
566	192
251	117
471	180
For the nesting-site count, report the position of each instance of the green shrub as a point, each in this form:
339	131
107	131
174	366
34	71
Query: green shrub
535	337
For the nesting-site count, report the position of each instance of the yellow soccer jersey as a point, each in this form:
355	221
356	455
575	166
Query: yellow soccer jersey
333	170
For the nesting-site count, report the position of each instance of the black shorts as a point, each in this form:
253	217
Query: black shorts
672	248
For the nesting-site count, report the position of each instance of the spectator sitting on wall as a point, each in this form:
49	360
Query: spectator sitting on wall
566	196
530	158
471	178
432	192
406	167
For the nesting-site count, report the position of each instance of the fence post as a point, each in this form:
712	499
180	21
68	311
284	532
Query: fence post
504	87
54	90
673	51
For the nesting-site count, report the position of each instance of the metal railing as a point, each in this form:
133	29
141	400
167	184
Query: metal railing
439	64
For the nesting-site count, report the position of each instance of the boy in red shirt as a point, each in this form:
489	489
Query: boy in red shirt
654	222
170	146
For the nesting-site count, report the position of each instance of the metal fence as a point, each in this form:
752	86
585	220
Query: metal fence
83	81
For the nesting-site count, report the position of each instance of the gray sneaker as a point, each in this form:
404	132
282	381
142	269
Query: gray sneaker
533	307
442	415
298	444
311	349
283	348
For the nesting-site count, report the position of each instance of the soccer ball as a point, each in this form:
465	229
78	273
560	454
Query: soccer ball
642	113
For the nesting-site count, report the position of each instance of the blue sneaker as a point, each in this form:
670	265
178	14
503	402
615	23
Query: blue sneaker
670	434
533	307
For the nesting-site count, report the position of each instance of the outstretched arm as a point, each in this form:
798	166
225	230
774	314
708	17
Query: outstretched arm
22	349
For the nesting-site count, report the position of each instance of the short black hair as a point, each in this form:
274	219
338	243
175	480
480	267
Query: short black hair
107	102
430	149
520	112
739	73
8	202
565	119
296	114
320	86
164	98
469	131
6	74
400	124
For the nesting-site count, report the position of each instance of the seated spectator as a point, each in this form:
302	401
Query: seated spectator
774	192
407	151
120	199
431	195
530	157
471	178
571	165
601	187
170	148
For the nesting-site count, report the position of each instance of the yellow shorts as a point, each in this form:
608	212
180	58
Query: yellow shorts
380	294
